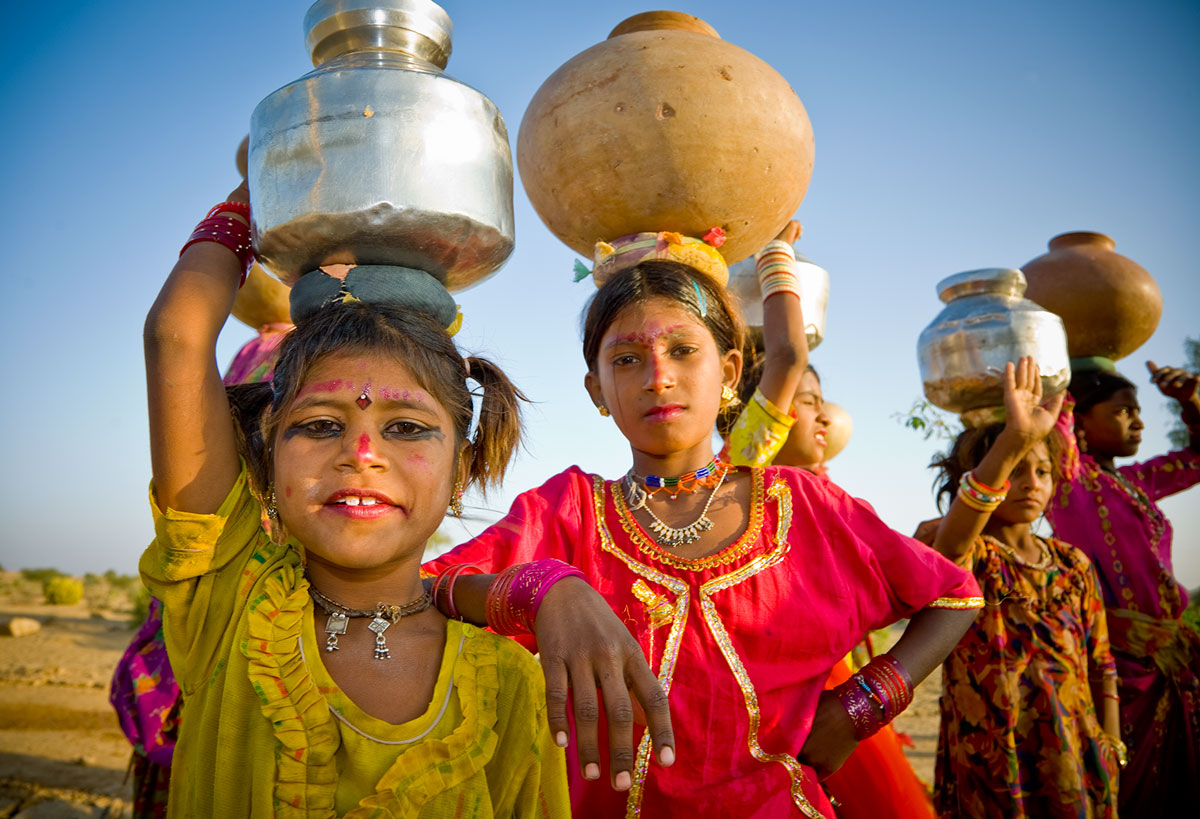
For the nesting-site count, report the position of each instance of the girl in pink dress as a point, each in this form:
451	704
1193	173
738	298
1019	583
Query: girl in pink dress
742	585
1110	513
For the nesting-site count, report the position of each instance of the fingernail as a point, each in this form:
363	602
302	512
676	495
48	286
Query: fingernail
591	771
667	755
561	739
623	781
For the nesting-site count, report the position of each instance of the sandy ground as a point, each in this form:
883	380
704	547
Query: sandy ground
62	753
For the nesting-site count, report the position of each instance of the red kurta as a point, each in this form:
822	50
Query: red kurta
741	640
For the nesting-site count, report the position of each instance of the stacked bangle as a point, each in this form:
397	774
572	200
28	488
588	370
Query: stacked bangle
517	592
876	695
776	268
228	231
443	588
980	496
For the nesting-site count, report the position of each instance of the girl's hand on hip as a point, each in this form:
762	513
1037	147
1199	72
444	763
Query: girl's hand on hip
831	740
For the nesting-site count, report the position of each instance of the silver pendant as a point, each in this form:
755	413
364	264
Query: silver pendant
636	496
335	625
684	536
379	625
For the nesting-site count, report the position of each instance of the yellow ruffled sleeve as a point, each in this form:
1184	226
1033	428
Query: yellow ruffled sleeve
758	433
202	566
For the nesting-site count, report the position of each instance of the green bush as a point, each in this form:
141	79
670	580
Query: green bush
1191	615
141	607
62	591
40	575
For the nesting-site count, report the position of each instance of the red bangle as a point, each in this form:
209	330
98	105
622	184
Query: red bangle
445	582
858	707
499	616
240	208
228	232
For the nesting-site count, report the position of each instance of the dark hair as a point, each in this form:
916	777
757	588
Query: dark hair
667	280
413	339
1092	387
968	450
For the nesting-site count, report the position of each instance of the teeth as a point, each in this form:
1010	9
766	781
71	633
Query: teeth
368	501
350	501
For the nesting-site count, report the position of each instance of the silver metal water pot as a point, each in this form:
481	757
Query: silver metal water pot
986	323
377	157
814	295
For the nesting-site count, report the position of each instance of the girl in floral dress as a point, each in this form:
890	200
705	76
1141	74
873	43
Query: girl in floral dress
1022	734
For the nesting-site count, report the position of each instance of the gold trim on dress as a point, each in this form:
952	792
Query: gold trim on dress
780	493
670	655
956	603
648	547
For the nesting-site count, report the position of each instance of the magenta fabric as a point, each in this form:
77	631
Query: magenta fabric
144	692
255	362
815	571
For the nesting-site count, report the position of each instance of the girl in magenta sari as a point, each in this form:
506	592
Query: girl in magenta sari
743	586
1110	513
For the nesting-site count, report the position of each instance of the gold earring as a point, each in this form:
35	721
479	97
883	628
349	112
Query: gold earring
1081	440
727	394
603	410
272	509
456	504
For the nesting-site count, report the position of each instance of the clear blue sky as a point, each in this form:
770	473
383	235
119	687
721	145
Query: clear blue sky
949	135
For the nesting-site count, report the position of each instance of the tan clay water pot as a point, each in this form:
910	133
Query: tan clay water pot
1109	304
841	427
665	126
262	300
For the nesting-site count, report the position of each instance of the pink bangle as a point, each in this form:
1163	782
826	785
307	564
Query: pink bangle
858	707
558	571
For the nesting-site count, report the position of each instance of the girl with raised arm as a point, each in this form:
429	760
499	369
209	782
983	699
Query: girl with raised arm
1029	704
317	679
1111	513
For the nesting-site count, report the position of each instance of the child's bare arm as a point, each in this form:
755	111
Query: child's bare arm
785	346
193	447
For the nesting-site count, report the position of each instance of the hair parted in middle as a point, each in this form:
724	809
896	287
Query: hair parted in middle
709	302
414	340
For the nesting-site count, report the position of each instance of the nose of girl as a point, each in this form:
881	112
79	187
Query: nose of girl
364	454
659	376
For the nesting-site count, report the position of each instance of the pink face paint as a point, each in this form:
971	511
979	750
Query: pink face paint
364	448
287	491
647	337
325	386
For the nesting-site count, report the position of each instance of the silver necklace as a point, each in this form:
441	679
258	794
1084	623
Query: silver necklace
383	617
666	535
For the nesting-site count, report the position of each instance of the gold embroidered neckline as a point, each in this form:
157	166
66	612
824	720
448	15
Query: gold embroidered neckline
648	547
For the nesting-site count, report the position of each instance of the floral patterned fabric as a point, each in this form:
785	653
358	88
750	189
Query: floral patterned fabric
1019	734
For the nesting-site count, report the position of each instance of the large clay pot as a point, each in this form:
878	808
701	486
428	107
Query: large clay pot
378	157
1109	304
841	427
262	300
665	126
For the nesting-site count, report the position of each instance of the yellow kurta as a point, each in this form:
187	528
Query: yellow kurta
266	731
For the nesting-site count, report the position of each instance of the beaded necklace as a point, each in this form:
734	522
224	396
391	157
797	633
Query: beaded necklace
1043	564
705	476
667	535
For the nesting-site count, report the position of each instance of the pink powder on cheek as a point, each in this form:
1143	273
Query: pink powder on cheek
287	491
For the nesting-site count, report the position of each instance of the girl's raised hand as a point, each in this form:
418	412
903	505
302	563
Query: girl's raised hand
584	648
1174	382
1024	411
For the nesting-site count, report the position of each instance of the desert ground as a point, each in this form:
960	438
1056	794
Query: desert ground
62	753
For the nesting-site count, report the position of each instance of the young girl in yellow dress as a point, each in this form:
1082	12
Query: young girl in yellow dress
317	679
